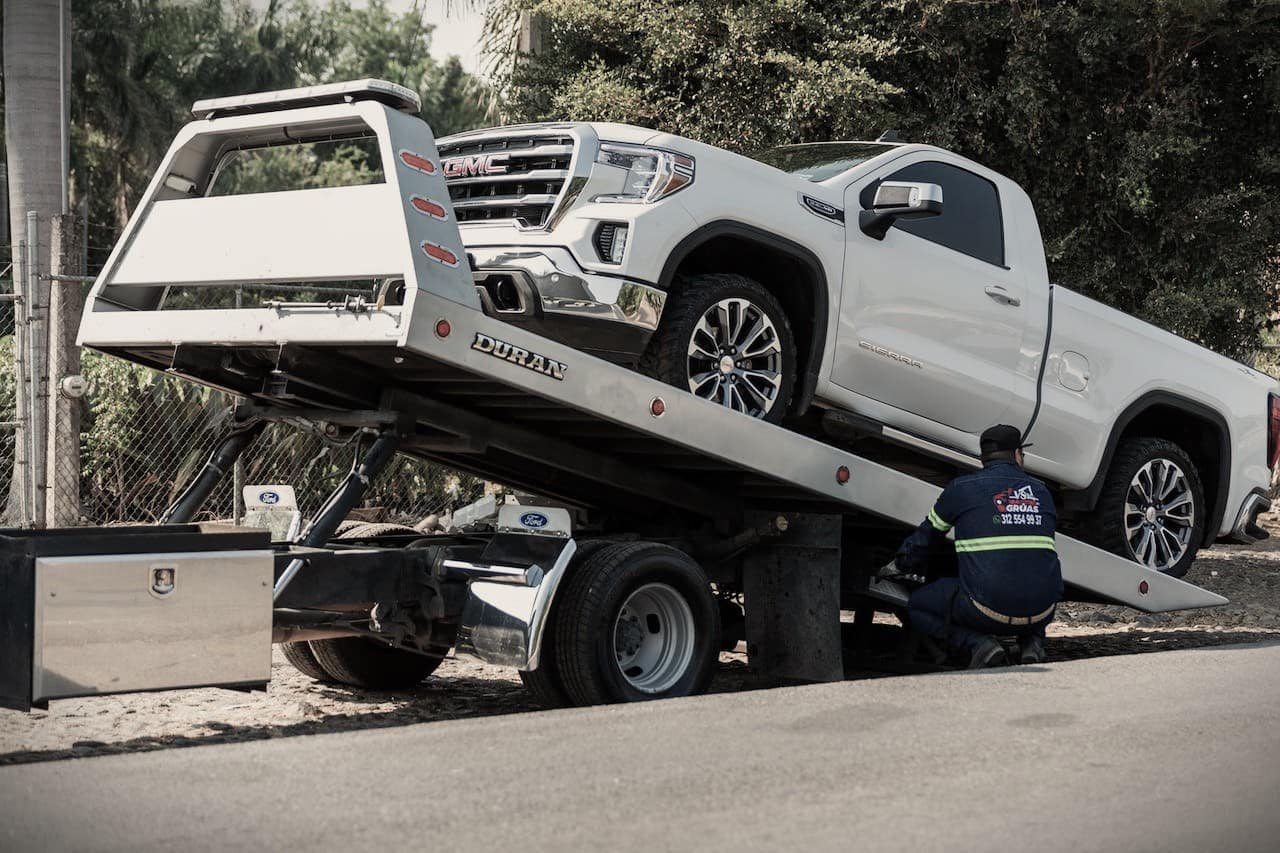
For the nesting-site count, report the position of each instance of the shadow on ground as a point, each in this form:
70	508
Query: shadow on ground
470	698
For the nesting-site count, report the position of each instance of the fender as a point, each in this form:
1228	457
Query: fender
1093	491
818	282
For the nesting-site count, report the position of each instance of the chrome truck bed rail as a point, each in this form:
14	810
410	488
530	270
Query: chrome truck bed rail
486	397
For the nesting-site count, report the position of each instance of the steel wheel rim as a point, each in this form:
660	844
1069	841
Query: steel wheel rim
1159	515
653	638
735	357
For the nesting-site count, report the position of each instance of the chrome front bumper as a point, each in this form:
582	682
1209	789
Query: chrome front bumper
546	291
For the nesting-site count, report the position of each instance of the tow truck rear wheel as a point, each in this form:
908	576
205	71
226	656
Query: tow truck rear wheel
361	662
299	654
636	621
544	683
725	338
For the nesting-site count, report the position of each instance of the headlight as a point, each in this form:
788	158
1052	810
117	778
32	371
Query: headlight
651	172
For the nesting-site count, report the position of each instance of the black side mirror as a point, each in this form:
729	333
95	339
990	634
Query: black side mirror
899	200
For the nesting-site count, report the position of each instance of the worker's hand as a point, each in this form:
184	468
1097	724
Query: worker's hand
893	572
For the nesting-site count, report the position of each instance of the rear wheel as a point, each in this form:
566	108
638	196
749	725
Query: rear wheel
304	661
725	338
544	683
361	662
635	622
1152	506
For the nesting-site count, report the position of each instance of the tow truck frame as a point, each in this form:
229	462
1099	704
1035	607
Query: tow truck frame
790	522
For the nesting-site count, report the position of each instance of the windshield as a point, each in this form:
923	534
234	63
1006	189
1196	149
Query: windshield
821	160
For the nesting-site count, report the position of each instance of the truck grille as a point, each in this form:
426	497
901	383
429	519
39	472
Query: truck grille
517	177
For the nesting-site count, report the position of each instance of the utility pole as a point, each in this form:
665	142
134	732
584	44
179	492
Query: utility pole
35	75
529	41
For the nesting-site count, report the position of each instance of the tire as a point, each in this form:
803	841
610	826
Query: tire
544	683
1120	507
603	650
361	662
692	318
371	530
347	526
304	661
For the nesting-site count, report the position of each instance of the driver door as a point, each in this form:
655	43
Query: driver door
933	317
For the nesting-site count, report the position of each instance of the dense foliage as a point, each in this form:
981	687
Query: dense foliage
1146	131
139	64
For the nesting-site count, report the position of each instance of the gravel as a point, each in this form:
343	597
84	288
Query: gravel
294	705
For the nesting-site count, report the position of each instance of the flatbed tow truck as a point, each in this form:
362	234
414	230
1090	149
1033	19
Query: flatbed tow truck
683	509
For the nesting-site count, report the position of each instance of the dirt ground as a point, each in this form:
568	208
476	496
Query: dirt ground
295	705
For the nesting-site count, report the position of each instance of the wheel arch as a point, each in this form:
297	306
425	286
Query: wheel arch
1198	429
728	246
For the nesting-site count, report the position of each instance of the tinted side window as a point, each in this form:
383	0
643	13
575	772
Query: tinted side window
970	221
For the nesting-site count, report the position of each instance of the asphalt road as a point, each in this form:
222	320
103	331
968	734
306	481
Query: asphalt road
1162	752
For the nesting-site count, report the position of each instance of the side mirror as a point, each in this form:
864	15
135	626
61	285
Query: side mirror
899	200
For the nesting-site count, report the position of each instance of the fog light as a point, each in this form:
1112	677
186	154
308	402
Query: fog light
611	241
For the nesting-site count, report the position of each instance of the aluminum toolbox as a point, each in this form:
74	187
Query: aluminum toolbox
110	610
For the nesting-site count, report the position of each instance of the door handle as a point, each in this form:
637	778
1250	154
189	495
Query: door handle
999	294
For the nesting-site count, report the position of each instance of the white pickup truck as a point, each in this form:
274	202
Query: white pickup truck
866	287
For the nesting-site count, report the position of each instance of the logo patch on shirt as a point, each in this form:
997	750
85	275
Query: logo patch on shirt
1017	506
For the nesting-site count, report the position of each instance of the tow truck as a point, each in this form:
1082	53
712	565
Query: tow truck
668	527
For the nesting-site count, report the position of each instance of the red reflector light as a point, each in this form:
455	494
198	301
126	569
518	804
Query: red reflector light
657	408
842	474
1273	431
443	328
1144	587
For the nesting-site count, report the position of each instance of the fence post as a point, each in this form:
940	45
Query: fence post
62	476
18	511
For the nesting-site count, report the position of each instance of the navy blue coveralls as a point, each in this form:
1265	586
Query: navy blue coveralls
1004	521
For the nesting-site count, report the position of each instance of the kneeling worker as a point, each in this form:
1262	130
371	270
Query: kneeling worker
1010	579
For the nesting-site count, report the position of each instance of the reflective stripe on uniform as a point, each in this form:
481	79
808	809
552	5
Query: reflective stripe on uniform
937	522
1004	543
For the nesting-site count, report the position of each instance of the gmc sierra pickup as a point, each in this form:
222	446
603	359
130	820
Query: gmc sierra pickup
896	287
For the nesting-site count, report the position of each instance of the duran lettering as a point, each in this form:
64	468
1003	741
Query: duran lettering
517	355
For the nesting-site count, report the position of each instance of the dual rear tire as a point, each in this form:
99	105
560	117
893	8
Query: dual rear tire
360	662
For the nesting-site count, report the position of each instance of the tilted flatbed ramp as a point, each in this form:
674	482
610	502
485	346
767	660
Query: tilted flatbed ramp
487	397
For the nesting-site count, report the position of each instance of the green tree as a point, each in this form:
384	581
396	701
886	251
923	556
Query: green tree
739	74
1146	131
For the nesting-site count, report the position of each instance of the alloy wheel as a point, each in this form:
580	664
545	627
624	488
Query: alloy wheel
735	357
1159	514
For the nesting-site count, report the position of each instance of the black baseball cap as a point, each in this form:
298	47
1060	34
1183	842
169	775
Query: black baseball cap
1001	437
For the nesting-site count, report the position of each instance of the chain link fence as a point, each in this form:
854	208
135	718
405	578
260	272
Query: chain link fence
147	434
143	434
8	373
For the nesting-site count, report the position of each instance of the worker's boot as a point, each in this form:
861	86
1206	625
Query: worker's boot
988	653
1031	650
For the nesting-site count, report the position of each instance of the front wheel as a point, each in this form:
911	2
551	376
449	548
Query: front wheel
726	339
1152	506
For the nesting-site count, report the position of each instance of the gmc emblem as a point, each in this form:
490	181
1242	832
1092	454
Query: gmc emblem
475	166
